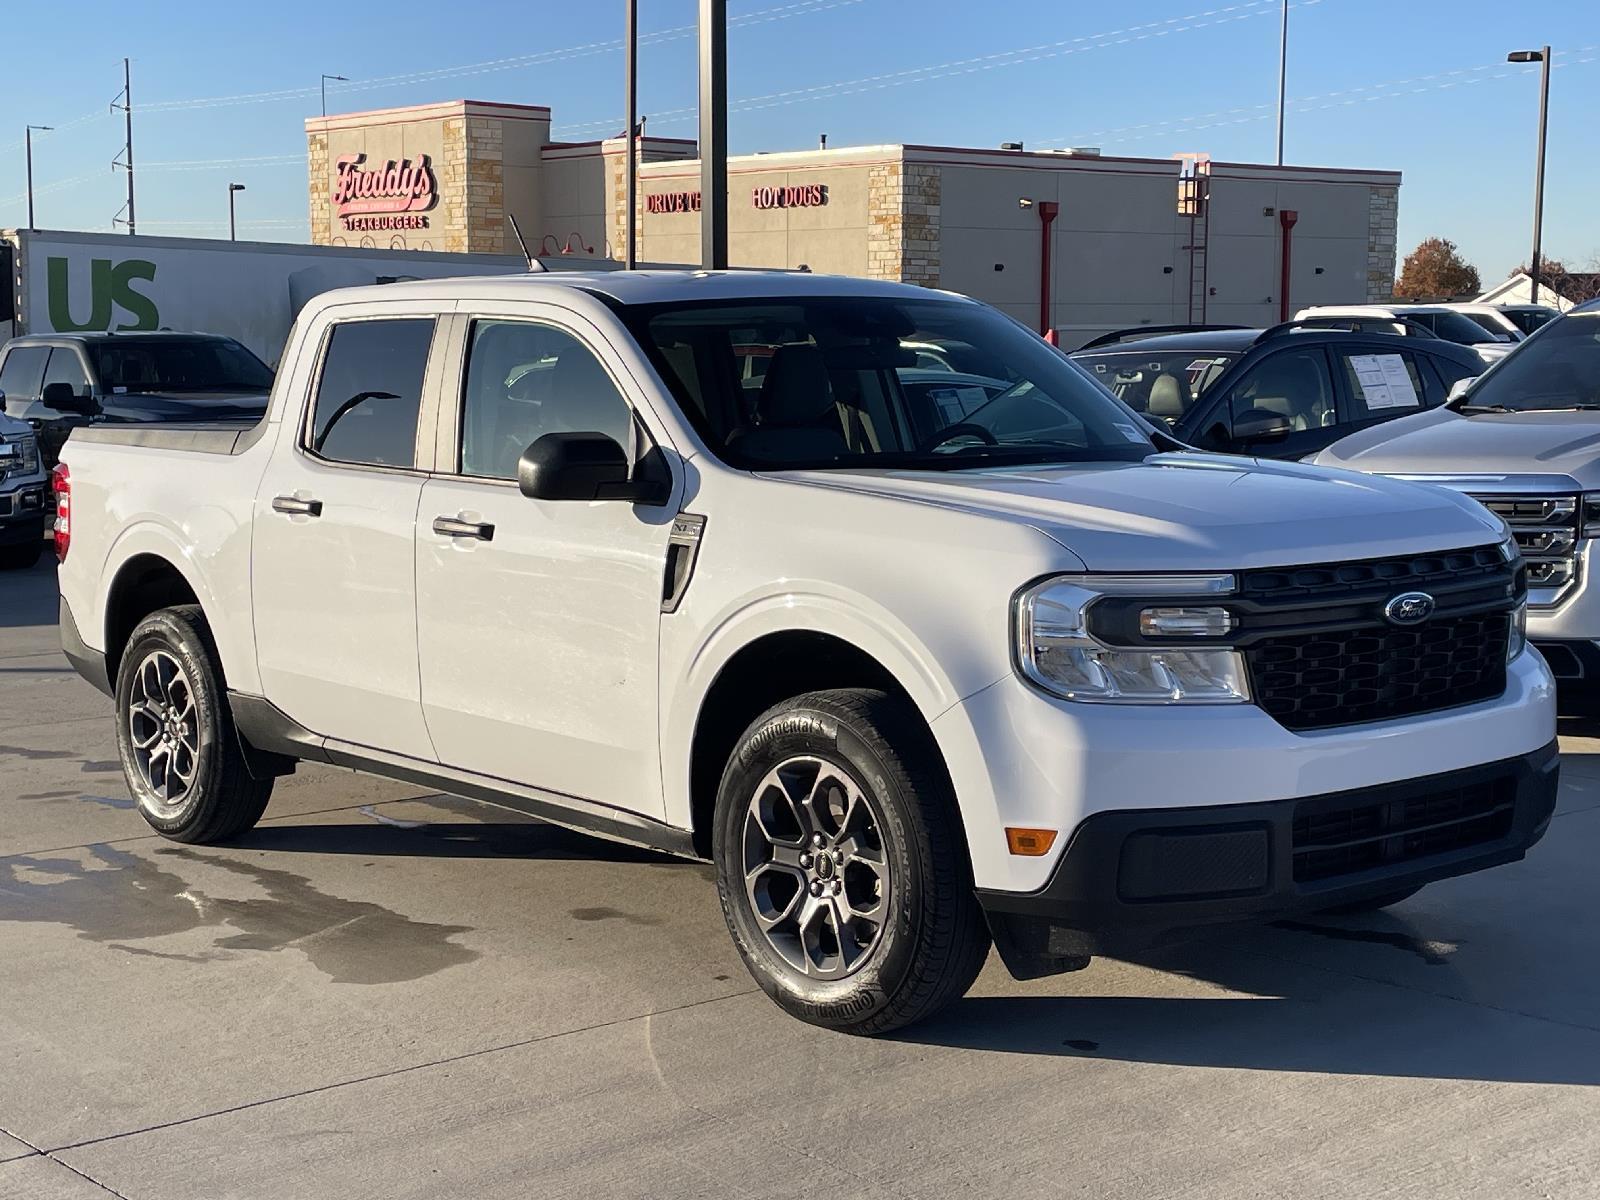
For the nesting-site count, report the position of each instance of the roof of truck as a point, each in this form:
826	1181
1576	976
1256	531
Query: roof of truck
112	335
643	287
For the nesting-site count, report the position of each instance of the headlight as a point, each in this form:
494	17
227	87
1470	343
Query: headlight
1517	642
1589	525
1056	652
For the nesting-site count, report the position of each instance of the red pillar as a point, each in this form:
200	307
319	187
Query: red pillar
1286	219
1048	209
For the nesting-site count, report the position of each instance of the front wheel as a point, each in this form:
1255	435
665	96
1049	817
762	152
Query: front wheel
180	753
842	866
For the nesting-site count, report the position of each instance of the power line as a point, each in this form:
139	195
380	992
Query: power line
1003	58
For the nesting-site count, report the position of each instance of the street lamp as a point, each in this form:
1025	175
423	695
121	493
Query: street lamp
232	231
27	137
325	79
1542	56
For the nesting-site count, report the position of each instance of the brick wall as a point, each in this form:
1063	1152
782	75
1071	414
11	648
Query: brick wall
321	186
1383	209
485	209
903	232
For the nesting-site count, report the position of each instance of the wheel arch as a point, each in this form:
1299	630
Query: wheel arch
145	581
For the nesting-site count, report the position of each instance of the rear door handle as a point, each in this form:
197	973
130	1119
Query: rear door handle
295	507
455	527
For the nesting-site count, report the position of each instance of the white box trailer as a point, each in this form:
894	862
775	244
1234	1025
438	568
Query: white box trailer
59	282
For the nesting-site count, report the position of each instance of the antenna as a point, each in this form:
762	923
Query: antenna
533	263
125	159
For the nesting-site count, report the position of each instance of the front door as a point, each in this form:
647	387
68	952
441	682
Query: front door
333	560
1291	393
538	621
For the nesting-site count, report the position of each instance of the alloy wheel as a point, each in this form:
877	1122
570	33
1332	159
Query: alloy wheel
815	872
164	731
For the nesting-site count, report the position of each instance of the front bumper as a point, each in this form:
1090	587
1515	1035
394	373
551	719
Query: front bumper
1129	878
22	515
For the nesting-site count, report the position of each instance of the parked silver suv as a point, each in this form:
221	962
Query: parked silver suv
1524	439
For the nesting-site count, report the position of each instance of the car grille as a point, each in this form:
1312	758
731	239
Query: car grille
1321	653
1329	842
1546	529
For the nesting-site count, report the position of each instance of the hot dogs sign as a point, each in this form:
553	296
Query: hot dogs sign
390	195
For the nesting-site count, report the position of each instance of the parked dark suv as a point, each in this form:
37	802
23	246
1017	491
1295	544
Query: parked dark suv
1283	392
58	381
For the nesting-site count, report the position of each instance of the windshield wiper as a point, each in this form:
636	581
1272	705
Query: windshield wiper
1494	408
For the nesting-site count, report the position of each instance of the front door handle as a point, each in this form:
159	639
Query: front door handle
455	527
294	506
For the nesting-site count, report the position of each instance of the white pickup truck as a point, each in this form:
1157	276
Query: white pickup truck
857	589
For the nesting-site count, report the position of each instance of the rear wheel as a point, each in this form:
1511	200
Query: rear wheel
842	866
180	753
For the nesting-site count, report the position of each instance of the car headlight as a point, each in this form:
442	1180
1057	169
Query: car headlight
1057	652
1517	642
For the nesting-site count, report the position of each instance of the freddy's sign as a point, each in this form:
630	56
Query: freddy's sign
401	191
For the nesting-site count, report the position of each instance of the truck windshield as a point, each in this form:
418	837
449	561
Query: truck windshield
1558	370
878	382
1158	383
178	365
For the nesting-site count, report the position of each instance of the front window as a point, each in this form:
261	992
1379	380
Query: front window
1490	324
1557	371
878	382
178	365
1158	383
1458	327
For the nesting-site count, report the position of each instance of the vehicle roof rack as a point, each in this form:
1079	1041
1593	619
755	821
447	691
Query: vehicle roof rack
1143	331
1398	326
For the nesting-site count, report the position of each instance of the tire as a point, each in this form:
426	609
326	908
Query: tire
898	856
23	556
180	753
1374	903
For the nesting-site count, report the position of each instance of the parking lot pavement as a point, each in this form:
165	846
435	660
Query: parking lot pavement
385	993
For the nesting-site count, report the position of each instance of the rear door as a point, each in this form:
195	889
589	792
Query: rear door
1379	383
333	570
1292	386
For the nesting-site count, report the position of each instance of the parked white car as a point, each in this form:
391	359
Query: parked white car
1524	440
911	666
22	494
1517	320
1438	319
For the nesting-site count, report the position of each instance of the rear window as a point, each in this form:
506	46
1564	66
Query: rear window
1458	327
370	392
1159	383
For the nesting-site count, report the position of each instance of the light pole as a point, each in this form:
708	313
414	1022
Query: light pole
1283	73
325	79
1542	56
28	138
232	231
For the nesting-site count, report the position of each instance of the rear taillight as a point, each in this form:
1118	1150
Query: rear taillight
61	485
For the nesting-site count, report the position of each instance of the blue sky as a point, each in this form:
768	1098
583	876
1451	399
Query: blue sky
1421	87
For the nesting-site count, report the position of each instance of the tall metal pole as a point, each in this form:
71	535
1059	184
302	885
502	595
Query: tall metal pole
325	78
630	68
1538	181
28	137
1283	74
714	134
127	111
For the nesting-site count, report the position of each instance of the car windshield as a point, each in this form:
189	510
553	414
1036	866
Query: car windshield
178	365
1529	319
878	382
1558	370
1158	383
1485	321
1458	327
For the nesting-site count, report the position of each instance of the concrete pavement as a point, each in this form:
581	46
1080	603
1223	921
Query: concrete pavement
382	992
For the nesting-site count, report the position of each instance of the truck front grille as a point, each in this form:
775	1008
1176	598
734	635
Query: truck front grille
1321	653
1546	529
1330	842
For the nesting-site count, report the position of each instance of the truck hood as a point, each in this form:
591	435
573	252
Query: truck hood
1197	512
1495	445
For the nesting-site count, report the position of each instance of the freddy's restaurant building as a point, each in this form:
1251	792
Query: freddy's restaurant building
1072	240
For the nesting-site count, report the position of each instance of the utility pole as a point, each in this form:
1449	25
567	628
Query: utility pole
28	137
714	134
126	159
1541	56
233	233
630	68
1283	73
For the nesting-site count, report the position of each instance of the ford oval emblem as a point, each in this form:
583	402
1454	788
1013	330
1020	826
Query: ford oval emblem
1409	608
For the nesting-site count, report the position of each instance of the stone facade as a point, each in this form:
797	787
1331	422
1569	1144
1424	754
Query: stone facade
485	186
1383	210
903	214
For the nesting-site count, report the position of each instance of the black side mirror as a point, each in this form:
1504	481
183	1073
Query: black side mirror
1259	425
62	398
586	466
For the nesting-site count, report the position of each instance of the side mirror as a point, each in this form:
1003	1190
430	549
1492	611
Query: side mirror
1459	388
1261	426
62	398
585	466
